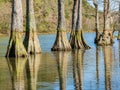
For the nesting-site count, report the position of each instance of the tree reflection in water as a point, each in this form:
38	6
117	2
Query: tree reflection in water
78	69
17	72
62	60
119	51
108	66
97	63
32	67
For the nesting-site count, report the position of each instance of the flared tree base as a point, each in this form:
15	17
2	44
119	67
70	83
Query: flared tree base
106	38
97	37
61	42
32	44
77	40
16	47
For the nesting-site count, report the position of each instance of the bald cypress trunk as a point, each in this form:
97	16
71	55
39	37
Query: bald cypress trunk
96	20
76	37
107	36
15	47
31	41
119	23
61	42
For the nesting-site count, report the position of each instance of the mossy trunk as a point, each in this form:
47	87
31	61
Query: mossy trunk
61	42
31	40
15	46
76	37
106	38
77	40
32	44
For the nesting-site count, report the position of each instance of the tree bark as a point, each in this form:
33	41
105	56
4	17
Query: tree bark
31	40
15	47
107	36
61	42
76	37
119	23
96	20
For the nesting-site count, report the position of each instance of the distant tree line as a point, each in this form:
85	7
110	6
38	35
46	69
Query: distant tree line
31	45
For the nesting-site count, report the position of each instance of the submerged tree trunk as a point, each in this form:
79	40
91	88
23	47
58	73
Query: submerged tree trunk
31	41
107	36
96	20
61	42
15	47
76	37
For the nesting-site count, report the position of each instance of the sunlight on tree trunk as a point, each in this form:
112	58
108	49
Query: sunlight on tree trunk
15	47
107	36
61	42
76	37
31	40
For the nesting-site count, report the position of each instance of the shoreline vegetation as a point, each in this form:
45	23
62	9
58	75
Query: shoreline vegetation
46	17
54	32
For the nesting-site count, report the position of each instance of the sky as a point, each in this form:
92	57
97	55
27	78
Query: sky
114	4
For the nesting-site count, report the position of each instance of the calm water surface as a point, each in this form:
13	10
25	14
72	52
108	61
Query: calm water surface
94	69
